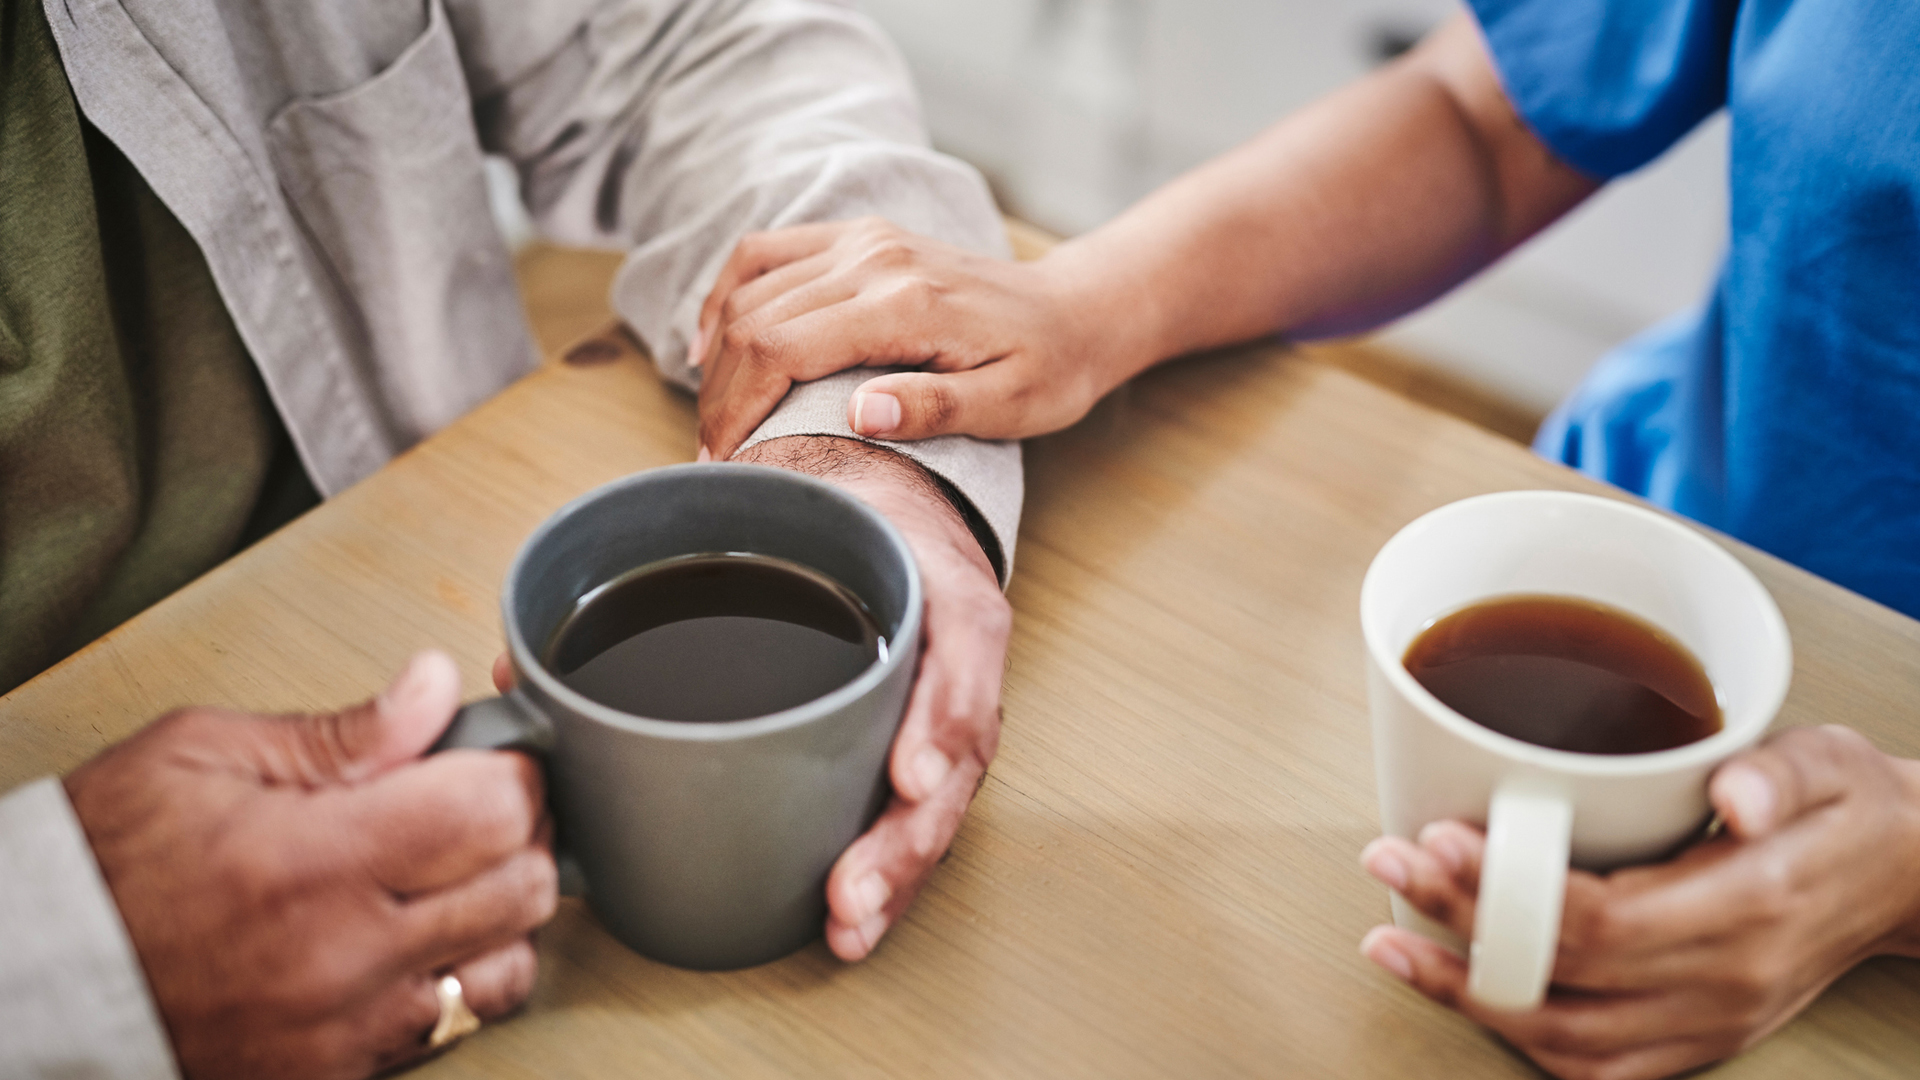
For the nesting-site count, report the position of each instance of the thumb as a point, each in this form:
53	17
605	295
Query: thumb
368	739
989	402
1797	771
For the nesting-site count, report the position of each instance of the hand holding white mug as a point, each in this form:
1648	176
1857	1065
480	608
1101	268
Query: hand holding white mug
1546	807
1666	967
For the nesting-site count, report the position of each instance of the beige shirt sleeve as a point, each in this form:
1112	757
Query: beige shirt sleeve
73	1000
673	129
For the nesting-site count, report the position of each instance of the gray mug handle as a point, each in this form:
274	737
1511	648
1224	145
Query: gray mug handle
511	722
508	722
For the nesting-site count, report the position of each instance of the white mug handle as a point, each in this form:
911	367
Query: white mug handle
1523	883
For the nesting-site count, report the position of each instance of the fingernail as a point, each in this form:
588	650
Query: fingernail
1383	864
1444	846
1750	799
871	931
930	767
875	413
704	455
697	352
1378	947
870	895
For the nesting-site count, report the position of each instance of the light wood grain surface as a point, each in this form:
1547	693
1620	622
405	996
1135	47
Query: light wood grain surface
1159	877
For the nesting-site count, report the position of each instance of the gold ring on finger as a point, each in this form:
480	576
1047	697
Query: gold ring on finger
457	1021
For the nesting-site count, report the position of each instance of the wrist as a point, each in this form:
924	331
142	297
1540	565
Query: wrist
1114	316
888	481
1904	938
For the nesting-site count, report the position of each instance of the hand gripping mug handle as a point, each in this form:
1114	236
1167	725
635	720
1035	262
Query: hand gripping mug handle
507	722
1523	882
511	722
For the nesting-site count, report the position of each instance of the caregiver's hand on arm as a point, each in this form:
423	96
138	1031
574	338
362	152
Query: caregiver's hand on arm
1018	342
293	884
952	724
1667	967
1354	210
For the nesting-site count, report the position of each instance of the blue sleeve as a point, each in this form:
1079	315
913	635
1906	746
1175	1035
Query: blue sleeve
1610	84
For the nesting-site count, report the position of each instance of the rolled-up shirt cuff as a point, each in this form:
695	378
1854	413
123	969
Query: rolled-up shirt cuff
986	473
73	999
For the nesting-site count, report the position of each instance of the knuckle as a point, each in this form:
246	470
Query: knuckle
501	981
532	782
421	1010
520	967
1750	982
928	837
919	293
1432	895
1592	929
764	351
1772	887
887	251
186	723
495	809
315	978
191	729
511	779
326	742
938	408
739	338
331	977
872	227
258	876
1847	744
1022	394
764	347
996	616
542	888
751	245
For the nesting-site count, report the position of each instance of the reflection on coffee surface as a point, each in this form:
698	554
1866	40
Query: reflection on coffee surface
714	637
1568	674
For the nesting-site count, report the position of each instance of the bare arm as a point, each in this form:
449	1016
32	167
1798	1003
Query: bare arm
1356	209
1359	208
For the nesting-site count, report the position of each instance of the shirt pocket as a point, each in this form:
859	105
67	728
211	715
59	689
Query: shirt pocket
387	181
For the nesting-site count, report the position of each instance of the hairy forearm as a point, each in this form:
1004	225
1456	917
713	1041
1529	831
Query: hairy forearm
888	481
1354	210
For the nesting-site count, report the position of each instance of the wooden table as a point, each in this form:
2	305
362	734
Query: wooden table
1159	878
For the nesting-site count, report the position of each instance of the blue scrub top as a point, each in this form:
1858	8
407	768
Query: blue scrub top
1786	409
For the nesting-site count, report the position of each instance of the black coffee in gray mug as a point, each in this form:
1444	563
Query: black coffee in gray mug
712	637
711	662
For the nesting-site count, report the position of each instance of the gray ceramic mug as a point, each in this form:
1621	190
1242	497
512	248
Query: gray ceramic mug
705	845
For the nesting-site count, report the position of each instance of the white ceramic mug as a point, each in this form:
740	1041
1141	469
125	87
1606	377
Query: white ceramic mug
1545	809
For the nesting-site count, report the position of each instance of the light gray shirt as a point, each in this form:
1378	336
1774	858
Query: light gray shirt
327	157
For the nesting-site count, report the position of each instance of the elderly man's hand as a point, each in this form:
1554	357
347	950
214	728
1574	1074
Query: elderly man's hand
1667	967
294	884
952	724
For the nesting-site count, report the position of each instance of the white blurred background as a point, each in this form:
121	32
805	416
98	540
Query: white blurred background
1074	108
